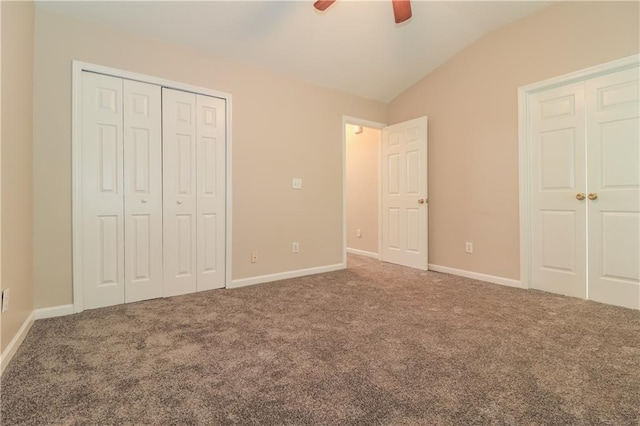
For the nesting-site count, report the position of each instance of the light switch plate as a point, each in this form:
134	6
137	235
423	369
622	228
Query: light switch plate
296	183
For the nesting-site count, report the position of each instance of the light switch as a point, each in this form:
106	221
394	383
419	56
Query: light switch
296	183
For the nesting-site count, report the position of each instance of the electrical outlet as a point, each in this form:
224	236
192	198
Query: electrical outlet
295	247
468	247
359	233
5	300
296	183
254	257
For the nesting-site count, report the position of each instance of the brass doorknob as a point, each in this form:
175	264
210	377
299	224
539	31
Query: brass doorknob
593	196
580	196
421	201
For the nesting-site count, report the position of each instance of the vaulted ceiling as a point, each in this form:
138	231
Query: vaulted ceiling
354	46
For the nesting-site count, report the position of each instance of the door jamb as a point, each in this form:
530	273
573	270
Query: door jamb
76	196
524	146
365	123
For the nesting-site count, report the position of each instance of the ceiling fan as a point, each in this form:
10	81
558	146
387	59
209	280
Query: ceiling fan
401	8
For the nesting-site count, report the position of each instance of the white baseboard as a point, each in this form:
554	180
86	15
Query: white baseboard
477	276
54	311
15	343
363	253
285	275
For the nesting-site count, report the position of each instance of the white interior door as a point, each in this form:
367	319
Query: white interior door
404	194
179	182
614	188
211	204
142	191
558	188
102	191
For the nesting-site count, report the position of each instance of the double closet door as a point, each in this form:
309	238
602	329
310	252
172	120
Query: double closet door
586	189
153	191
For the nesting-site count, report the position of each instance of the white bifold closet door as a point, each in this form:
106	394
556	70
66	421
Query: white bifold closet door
194	192
121	191
142	191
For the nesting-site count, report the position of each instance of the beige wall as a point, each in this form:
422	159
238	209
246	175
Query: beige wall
362	187
471	102
282	128
17	151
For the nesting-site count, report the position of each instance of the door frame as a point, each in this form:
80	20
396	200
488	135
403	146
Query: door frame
524	147
76	158
371	124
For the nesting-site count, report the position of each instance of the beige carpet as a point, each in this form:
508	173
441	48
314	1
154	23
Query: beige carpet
375	344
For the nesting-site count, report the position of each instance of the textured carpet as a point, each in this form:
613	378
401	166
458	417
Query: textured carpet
374	344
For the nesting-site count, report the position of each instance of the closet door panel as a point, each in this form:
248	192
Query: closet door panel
102	191
179	119
143	191
211	201
558	176
613	146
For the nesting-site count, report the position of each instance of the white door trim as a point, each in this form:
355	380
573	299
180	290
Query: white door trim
366	123
524	146
77	68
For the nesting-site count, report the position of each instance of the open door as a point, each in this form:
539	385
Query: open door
405	210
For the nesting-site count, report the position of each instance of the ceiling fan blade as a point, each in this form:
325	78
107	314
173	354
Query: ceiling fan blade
401	10
322	5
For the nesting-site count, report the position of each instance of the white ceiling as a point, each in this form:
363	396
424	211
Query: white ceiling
354	46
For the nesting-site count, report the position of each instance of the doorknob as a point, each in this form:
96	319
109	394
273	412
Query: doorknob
144	200
179	201
421	201
593	196
580	196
